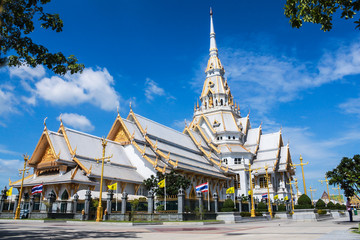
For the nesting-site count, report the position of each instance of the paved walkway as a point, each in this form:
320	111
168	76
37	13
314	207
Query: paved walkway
275	229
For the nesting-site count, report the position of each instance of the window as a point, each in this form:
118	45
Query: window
218	138
238	181
225	161
262	182
234	137
229	137
221	102
253	182
237	161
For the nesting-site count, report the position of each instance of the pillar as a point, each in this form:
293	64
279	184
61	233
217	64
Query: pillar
110	195
32	203
75	202
215	196
240	204
16	202
150	200
51	199
123	202
200	197
181	200
2	199
87	204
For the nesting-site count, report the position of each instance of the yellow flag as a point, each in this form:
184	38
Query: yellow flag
249	192
286	198
276	197
9	192
161	184
112	186
230	190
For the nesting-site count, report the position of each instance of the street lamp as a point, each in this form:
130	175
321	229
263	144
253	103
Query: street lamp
21	171
268	192
251	189
291	195
99	212
302	169
338	188
327	185
311	191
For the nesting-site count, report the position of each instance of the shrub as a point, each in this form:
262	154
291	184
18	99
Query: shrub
304	200
320	204
343	207
245	214
229	203
321	211
160	207
330	205
261	206
338	206
303	206
281	208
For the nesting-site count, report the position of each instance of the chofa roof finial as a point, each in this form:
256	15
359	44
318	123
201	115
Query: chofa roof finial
45	122
211	13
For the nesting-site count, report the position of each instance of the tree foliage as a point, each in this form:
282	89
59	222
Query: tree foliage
347	175
304	200
320	204
174	182
320	12
17	19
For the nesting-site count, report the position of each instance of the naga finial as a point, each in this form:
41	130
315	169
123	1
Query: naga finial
117	109
45	122
60	118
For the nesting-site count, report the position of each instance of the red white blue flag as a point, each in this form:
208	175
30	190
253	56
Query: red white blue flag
264	195
37	189
203	187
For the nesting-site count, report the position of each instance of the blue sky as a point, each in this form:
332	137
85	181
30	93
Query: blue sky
154	53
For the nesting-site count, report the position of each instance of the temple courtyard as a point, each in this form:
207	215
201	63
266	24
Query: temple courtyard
274	229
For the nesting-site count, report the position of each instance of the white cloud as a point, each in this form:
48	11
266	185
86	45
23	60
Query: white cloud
262	79
351	106
77	121
8	100
26	72
180	124
4	150
95	87
152	89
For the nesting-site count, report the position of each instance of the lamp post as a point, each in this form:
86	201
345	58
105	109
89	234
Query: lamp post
338	188
327	186
291	195
268	192
302	169
311	191
99	212
251	189
26	158
296	186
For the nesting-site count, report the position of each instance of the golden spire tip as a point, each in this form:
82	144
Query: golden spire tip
211	13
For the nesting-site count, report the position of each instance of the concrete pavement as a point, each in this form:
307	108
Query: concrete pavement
275	229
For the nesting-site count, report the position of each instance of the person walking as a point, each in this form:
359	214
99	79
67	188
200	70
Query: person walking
348	208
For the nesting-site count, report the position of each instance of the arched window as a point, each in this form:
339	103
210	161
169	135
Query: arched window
221	102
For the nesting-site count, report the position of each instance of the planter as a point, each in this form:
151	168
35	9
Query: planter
228	217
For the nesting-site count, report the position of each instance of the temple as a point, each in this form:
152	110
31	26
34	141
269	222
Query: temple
217	147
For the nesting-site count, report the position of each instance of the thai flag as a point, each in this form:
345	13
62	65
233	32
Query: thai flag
203	187
37	189
264	195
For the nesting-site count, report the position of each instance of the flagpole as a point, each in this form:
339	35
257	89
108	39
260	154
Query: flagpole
165	193
116	196
208	196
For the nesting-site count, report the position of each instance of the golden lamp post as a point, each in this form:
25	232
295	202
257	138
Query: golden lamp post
311	191
338	188
296	186
99	212
25	169
291	195
268	192
327	186
251	189
302	169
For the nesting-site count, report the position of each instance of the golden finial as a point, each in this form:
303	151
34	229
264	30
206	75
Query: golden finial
238	108
117	108
197	104
194	107
185	122
248	113
130	106
211	13
45	122
60	118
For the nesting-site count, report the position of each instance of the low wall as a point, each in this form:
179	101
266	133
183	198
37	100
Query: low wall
305	215
228	217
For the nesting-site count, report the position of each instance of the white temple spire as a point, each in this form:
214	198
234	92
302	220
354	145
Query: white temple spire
213	47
